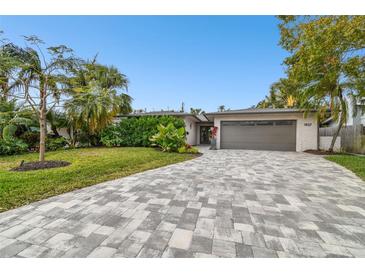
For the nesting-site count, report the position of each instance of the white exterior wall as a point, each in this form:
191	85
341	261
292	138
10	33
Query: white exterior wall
190	128
307	128
325	143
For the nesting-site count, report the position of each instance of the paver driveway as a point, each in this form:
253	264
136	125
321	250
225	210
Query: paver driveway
227	203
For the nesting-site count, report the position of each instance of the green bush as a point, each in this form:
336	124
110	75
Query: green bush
31	138
169	138
12	146
188	149
56	143
137	131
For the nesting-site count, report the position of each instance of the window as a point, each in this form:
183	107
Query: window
264	123
284	123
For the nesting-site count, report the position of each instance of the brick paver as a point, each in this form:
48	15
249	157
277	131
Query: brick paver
226	203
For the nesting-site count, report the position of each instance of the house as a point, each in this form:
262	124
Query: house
258	129
355	114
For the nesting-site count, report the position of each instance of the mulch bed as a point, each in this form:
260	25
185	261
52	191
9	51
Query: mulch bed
40	165
320	152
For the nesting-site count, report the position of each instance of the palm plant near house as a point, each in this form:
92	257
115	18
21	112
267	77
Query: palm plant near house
327	59
96	97
13	117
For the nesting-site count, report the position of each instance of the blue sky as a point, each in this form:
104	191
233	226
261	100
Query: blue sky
203	61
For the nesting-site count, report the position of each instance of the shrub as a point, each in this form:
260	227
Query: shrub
56	143
188	149
31	138
12	146
169	138
137	131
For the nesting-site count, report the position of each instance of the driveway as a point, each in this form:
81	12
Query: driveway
226	203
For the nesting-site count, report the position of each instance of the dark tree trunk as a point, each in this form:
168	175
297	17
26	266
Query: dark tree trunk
43	127
341	121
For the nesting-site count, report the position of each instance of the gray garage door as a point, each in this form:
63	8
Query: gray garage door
259	135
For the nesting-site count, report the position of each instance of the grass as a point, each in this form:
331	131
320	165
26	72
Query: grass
352	162
89	166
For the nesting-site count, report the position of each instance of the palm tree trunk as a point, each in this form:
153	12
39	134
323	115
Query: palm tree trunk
341	121
334	138
43	127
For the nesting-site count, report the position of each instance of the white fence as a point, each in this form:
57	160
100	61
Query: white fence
325	143
350	139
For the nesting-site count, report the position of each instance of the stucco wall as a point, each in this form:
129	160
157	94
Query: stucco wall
190	128
307	128
325	142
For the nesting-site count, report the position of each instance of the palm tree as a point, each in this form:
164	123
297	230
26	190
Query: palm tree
39	79
196	111
282	94
13	117
221	108
96	97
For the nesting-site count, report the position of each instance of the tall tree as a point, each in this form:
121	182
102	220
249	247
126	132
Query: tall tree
282	94
39	77
221	108
196	111
327	60
97	97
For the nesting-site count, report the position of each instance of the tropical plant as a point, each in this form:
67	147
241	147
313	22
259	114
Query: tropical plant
96	97
39	78
282	94
56	143
136	131
196	111
13	118
169	138
57	120
12	146
327	61
188	149
221	108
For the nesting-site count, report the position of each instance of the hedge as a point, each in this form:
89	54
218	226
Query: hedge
136	131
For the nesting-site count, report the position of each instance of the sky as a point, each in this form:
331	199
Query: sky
203	61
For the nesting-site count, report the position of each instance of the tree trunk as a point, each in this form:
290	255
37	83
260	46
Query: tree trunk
341	121
334	138
43	127
55	131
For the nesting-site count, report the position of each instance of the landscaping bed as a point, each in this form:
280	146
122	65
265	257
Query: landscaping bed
40	165
89	166
320	152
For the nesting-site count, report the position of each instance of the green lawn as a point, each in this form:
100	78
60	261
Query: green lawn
354	163
89	166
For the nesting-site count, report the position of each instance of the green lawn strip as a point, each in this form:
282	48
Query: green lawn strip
352	162
88	167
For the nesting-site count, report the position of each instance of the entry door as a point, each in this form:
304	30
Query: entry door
259	135
204	135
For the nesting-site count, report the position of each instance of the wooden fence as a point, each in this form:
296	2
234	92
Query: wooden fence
352	137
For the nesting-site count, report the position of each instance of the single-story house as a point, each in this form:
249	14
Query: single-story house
257	129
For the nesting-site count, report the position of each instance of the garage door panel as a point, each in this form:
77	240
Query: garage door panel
259	135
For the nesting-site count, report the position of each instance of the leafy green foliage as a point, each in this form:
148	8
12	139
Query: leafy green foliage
56	143
31	138
96	97
136	131
9	132
12	146
326	62
188	149
169	138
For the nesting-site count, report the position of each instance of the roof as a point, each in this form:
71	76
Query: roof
258	111
162	113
